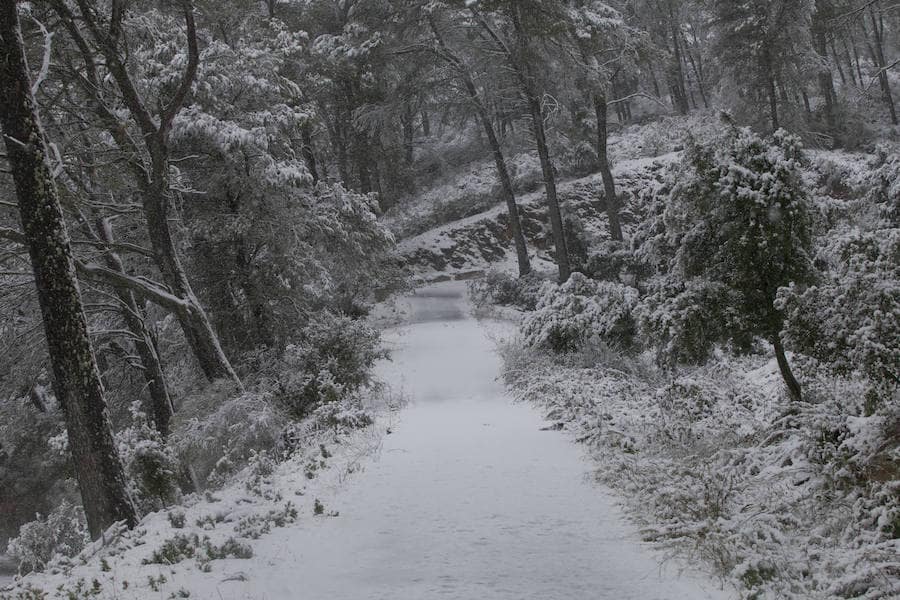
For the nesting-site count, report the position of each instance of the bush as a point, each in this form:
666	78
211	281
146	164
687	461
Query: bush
684	319
62	532
151	465
504	289
737	217
581	312
526	173
884	184
609	260
216	441
334	360
850	320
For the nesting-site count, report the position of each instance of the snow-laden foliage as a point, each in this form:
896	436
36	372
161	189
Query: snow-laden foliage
736	224
150	463
850	320
219	431
265	239
781	499
332	361
884	183
685	319
60	534
33	467
503	289
580	313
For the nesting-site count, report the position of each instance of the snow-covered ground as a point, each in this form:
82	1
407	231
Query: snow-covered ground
470	498
7	570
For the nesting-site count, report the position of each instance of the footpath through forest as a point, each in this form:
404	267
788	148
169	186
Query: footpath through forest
471	497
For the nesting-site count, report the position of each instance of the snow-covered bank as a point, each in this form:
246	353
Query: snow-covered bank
208	542
719	466
481	242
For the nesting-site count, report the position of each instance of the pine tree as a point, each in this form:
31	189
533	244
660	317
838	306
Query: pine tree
76	379
738	219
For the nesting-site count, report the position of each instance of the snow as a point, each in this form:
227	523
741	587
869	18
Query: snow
7	570
469	498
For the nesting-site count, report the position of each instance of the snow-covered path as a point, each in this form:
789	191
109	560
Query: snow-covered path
469	498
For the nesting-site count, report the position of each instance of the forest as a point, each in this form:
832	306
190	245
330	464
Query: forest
214	215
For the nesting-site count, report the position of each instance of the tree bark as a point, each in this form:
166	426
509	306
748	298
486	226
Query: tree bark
76	379
609	184
426	123
773	101
309	155
785	368
161	408
878	31
540	138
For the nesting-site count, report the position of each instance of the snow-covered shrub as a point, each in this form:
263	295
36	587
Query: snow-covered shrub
34	469
577	158
609	260
683	320
333	360
218	431
151	465
782	499
187	546
62	532
737	216
580	312
662	136
834	177
505	289
850	319
884	183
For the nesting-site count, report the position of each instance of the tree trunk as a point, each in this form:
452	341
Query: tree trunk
859	72
598	99
160	406
515	223
680	87
878	29
406	121
540	139
426	123
76	379
825	78
609	184
698	75
785	369
193	318
773	103
309	156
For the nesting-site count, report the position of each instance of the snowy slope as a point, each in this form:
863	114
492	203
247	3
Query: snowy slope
477	243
